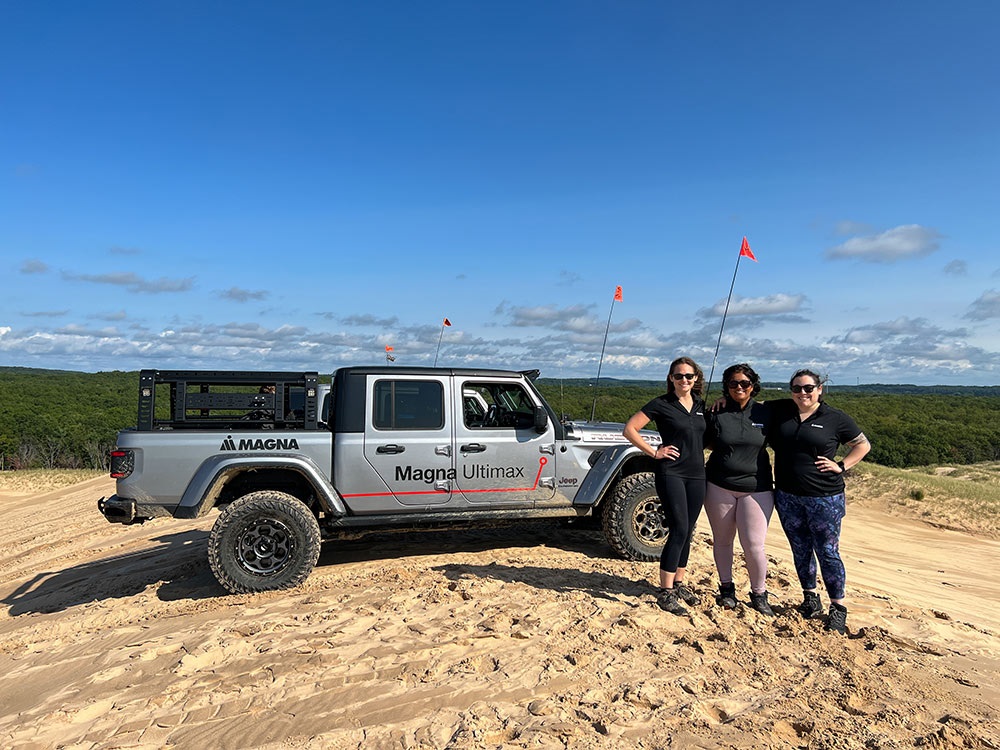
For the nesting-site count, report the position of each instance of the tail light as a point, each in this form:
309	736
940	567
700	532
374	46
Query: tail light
122	463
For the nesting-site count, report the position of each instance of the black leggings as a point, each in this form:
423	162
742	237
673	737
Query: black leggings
682	500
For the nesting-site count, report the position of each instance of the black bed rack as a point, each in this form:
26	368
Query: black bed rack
228	399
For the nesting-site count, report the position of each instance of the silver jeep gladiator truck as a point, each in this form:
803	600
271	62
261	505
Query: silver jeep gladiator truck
290	461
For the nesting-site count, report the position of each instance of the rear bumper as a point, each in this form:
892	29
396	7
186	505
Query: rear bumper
125	510
118	510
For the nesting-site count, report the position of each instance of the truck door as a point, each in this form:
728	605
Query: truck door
408	437
500	460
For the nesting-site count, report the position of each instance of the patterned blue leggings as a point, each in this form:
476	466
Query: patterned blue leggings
812	525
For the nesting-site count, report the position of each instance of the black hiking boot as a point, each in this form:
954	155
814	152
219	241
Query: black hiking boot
759	603
686	595
837	619
667	600
811	606
726	598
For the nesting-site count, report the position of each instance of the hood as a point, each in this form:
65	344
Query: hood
603	434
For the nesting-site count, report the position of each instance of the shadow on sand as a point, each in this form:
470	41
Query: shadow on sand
178	562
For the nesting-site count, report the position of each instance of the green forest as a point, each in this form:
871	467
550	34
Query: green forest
907	425
63	419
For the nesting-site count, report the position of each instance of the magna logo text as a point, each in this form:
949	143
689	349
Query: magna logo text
259	444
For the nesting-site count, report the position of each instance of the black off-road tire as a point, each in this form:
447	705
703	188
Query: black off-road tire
264	541
633	519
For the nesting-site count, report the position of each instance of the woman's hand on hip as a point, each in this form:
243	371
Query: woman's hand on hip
669	452
828	465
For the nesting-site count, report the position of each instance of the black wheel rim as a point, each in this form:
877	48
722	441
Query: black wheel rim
265	547
647	522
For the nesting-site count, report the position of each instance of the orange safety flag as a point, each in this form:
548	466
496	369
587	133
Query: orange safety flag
388	349
447	322
618	294
746	252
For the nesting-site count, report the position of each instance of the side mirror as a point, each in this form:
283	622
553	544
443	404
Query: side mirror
541	419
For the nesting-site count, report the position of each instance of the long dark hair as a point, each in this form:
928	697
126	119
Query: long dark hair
699	379
747	370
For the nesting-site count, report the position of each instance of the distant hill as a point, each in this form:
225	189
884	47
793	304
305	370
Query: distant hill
869	388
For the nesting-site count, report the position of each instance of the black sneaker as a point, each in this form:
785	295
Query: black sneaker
726	597
837	619
759	603
686	595
667	600
811	605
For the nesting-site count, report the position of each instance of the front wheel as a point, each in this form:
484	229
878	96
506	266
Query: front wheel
264	541
633	519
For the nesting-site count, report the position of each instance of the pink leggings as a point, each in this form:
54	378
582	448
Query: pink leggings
747	513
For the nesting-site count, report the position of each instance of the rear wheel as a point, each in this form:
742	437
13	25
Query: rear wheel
264	541
633	519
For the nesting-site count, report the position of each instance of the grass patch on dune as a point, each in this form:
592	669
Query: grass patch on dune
961	497
33	481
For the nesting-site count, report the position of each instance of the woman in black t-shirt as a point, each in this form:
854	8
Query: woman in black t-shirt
805	434
679	472
739	496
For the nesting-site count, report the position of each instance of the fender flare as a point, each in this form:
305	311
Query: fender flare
199	497
614	462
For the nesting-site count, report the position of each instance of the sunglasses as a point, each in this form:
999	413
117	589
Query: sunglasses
806	388
678	376
744	384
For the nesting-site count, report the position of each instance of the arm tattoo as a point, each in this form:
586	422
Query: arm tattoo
858	440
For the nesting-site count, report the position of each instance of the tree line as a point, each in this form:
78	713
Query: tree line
907	425
63	419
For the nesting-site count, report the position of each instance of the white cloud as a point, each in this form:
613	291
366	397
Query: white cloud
45	314
900	243
915	328
237	294
365	321
110	316
773	304
957	268
572	318
34	266
568	278
986	307
134	283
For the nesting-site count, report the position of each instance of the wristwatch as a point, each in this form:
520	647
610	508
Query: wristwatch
841	465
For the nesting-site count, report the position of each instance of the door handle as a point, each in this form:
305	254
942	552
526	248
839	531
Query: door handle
473	448
390	449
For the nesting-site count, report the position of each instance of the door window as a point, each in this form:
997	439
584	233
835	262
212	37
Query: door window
497	405
408	405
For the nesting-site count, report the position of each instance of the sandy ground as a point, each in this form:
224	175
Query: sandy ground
119	637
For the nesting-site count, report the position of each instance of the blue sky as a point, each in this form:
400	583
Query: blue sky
298	185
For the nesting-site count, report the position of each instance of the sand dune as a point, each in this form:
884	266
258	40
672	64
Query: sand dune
114	637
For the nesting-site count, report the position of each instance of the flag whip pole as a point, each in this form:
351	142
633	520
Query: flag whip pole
617	298
444	324
744	250
439	346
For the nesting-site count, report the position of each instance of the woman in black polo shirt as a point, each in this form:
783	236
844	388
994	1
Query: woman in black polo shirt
679	472
805	434
739	496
